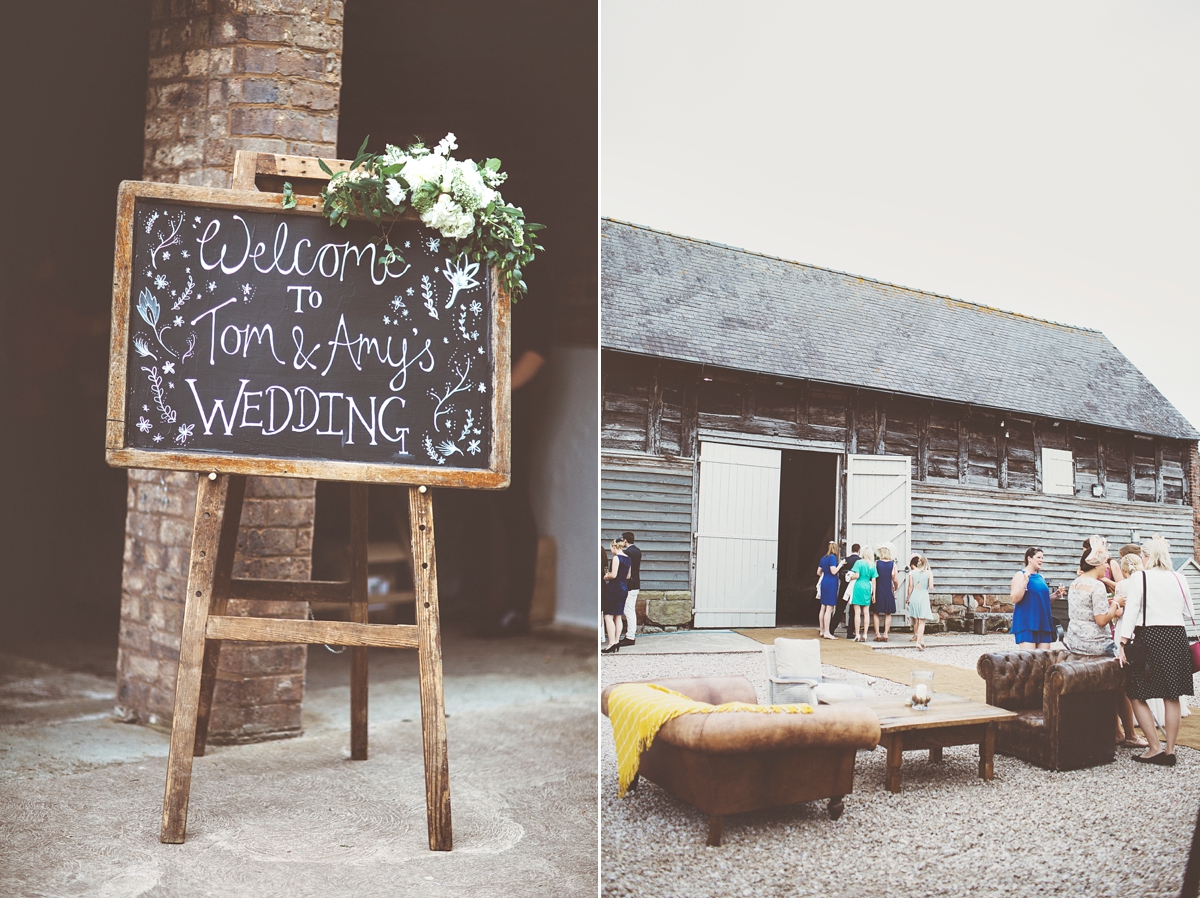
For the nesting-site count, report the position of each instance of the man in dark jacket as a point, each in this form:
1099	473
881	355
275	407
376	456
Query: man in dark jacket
635	584
843	585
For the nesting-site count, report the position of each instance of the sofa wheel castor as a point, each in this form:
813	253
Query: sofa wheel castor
836	806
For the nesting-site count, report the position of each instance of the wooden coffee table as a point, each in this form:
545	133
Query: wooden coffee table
949	720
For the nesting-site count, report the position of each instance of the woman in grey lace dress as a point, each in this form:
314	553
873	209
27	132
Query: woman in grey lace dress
1090	610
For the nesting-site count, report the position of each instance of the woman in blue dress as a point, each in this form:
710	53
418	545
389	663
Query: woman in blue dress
885	590
827	570
1032	624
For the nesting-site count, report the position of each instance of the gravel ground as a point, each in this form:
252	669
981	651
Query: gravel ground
949	833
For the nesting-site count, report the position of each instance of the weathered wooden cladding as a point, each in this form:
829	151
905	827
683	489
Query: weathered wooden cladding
653	498
659	407
963	532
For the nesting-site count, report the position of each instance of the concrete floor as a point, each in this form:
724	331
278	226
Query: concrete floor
81	794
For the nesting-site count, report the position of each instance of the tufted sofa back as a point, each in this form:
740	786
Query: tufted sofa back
1017	680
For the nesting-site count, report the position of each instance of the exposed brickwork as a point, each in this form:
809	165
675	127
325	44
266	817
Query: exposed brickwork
225	75
229	75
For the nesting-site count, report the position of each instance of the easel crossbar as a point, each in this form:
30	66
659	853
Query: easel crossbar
313	632
289	590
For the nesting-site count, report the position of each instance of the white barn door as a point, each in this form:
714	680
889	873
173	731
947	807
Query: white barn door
879	508
737	536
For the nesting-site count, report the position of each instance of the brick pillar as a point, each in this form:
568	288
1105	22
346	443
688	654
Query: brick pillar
225	75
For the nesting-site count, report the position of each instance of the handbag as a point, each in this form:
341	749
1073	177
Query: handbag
1195	647
1137	651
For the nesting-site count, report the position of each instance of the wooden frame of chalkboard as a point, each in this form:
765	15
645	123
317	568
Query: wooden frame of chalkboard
221	365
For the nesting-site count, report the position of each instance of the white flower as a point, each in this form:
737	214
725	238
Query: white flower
166	254
449	218
246	288
185	254
179	321
424	169
168	368
483	388
387	320
475	307
160	281
145	408
143	425
446	144
395	193
158	438
409	291
473	447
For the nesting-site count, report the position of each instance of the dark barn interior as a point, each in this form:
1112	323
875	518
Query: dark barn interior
807	512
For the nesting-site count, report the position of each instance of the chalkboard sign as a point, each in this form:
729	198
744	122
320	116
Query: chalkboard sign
250	339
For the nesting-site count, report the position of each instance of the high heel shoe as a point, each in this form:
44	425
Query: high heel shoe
612	649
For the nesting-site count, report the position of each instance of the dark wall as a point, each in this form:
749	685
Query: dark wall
74	101
517	81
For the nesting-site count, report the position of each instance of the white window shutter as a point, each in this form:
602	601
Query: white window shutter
1058	472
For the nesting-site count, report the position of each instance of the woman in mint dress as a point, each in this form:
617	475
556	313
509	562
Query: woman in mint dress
862	577
920	581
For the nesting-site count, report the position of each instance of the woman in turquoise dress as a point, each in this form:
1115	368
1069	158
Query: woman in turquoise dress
863	576
1032	624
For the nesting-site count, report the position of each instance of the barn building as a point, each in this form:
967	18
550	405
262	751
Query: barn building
755	408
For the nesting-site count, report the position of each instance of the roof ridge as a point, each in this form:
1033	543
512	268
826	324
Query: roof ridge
942	296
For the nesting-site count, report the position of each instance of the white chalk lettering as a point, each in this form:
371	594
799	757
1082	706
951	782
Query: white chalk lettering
368	422
400	431
301	426
246	407
270	430
331	432
218	406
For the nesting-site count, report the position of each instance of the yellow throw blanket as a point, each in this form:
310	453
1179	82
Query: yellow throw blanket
637	710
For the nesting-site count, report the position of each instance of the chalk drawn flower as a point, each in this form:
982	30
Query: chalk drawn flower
142	346
170	385
433	243
474	335
475	307
473	447
158	438
168	367
166	254
481	350
148	307
185	254
409	291
145	408
408	244
445	339
179	321
185	433
160	281
143	425
397	303
212	286
483	388
387	320
246	288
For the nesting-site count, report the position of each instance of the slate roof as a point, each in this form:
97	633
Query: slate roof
673	297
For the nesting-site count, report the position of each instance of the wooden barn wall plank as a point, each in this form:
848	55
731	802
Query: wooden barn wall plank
976	538
653	498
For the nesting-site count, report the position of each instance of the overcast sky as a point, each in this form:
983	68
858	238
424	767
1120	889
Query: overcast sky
1037	157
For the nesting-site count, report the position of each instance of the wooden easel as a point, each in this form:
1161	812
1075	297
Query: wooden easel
210	587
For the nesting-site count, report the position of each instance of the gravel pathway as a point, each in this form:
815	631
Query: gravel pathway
1122	829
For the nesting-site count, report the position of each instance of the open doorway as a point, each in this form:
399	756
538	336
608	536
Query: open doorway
807	517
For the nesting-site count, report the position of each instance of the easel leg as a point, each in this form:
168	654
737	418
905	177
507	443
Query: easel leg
222	574
429	644
358	614
210	505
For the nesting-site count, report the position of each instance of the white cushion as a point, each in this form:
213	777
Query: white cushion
798	658
832	693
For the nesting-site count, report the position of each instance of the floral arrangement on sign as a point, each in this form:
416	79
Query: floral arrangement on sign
457	198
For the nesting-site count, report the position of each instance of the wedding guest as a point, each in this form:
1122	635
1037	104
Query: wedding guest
612	600
864	576
844	592
885	591
1158	599
920	581
827	570
1032	624
635	586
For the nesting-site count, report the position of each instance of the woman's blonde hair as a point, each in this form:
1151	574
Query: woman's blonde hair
1131	563
1158	554
618	543
833	550
868	554
885	552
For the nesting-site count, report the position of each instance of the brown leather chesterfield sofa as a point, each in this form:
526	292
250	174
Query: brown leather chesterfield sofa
1066	706
732	762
